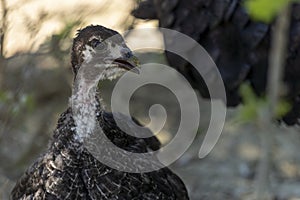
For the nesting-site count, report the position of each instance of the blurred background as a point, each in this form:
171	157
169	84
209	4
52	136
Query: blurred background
35	85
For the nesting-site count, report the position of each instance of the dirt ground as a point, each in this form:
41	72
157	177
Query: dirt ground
229	171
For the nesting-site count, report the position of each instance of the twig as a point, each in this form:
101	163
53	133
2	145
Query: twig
3	28
276	63
277	58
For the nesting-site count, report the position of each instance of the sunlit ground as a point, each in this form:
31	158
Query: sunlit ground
46	17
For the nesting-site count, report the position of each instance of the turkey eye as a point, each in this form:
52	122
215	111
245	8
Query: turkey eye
96	44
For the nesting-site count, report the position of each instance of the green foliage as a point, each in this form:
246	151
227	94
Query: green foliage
282	108
253	105
265	10
59	43
67	30
28	102
16	104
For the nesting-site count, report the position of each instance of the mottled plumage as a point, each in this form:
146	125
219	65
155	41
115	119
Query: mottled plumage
69	171
238	45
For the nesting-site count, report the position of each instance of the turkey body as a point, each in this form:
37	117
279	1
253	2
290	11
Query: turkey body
238	45
68	171
70	168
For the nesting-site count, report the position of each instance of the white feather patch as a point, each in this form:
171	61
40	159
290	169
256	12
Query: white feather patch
87	53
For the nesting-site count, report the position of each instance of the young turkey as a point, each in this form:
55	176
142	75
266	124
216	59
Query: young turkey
68	170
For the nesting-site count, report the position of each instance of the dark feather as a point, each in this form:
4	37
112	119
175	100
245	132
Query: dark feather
238	45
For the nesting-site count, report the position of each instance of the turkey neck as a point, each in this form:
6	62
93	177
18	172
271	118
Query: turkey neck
84	102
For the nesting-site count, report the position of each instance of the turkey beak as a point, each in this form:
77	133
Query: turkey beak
128	62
